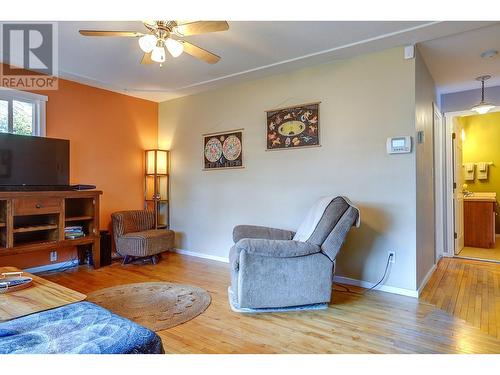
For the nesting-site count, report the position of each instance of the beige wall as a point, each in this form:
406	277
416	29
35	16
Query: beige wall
363	101
424	113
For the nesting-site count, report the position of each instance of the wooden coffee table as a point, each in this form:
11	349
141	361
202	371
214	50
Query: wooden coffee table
41	295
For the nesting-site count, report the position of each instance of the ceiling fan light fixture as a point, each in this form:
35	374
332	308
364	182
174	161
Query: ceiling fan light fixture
150	23
147	43
158	54
174	47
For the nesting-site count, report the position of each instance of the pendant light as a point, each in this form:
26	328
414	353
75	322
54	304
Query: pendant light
483	107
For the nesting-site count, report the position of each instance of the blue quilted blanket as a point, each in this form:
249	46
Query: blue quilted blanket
77	328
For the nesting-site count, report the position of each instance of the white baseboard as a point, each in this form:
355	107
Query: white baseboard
426	279
382	288
53	266
200	255
339	279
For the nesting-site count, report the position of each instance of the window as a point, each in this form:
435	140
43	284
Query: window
22	112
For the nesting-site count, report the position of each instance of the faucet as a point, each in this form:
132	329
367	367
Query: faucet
466	192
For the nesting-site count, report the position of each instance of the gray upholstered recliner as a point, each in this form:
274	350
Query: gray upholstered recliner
271	270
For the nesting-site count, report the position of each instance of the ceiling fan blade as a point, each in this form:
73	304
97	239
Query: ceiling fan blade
110	33
146	59
200	27
200	53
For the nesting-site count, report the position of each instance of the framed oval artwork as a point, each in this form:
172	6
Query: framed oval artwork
223	150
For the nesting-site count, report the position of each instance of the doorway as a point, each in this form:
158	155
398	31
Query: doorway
472	186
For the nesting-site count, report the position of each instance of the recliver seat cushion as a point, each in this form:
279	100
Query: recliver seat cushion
145	243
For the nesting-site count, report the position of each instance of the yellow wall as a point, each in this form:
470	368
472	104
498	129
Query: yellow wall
482	143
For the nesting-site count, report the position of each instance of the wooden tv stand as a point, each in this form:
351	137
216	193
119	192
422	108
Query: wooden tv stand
35	221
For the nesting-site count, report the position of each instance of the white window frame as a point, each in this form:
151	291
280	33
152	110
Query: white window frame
39	111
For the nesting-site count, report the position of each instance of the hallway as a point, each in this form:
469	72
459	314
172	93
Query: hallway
469	290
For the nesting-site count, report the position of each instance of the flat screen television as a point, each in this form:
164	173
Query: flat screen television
33	163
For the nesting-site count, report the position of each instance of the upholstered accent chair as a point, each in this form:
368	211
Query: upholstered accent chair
275	269
136	237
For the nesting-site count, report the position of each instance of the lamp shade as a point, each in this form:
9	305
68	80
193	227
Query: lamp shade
482	108
156	162
174	47
147	43
158	54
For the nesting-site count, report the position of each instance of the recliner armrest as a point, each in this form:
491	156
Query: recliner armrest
276	248
254	231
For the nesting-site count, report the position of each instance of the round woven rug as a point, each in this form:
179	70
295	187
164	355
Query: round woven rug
154	305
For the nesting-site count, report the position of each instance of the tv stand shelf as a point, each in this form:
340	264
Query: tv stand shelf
79	218
35	221
35	228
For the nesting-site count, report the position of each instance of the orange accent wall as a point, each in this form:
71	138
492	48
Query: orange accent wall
108	133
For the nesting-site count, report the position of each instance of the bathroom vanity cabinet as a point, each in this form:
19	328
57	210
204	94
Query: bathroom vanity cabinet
479	223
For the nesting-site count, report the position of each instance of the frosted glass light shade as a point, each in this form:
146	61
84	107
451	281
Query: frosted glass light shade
158	54
147	43
482	108
174	47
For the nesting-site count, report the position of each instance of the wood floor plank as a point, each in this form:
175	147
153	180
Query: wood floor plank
478	298
375	322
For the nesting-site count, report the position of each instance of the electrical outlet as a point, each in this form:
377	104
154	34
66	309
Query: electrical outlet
53	256
393	258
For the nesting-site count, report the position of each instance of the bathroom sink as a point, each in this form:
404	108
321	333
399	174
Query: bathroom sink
481	196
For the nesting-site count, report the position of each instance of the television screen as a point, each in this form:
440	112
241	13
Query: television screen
33	161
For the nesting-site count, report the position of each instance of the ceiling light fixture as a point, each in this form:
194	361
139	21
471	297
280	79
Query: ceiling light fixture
174	47
489	54
161	35
147	43
482	107
158	54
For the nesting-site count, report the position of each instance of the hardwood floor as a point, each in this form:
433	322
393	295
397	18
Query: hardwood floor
373	323
479	253
469	290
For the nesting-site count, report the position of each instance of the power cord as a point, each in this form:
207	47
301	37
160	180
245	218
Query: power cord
373	287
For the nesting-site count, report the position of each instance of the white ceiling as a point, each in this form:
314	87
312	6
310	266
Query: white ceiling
249	50
455	61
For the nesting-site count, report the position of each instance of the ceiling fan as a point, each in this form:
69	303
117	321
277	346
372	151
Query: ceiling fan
168	34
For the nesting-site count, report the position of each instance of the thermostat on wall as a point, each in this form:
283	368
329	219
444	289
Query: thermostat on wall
399	145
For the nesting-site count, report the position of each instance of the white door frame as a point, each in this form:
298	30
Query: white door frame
439	183
447	187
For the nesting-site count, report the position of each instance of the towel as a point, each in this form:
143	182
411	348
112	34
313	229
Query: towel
469	171
314	215
482	170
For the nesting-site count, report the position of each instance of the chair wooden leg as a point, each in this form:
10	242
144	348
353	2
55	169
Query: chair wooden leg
154	259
